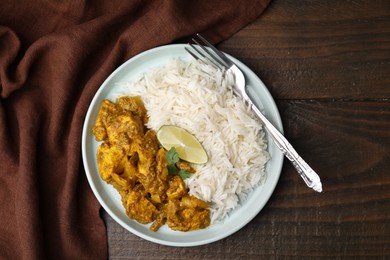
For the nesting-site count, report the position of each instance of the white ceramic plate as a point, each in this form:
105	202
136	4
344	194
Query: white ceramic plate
109	197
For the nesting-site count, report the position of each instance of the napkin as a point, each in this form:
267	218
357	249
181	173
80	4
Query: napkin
54	55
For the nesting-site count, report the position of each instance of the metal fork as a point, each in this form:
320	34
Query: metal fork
220	60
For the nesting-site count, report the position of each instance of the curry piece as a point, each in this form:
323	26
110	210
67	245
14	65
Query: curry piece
187	213
129	158
183	211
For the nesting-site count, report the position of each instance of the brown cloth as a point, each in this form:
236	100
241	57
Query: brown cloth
53	57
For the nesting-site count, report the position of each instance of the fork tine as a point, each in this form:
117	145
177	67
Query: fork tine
203	56
192	54
213	57
220	54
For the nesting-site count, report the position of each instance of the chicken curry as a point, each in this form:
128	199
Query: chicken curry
130	159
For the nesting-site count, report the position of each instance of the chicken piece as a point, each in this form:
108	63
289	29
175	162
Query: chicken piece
177	187
182	165
126	179
159	222
146	149
189	201
119	124
109	160
176	190
115	168
153	181
123	129
188	215
138	207
159	192
162	163
135	106
107	111
119	182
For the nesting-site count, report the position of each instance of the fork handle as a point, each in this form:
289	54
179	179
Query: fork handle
310	177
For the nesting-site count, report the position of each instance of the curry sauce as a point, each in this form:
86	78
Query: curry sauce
130	159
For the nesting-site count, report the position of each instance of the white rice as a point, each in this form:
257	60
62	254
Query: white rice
194	96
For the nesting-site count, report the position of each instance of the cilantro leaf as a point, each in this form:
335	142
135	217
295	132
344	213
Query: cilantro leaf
172	170
184	174
172	156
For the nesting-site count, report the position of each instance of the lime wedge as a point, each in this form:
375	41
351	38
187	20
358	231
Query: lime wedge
187	146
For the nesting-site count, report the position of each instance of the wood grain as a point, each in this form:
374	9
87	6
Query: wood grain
326	63
301	49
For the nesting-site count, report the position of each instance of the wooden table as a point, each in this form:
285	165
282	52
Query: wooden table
327	65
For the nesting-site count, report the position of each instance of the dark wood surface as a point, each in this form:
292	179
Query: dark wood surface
327	65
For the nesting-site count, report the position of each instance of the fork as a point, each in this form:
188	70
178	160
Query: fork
221	61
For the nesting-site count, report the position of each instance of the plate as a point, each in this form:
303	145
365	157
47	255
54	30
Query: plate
110	199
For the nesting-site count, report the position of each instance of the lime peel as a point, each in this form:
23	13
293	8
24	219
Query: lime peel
187	146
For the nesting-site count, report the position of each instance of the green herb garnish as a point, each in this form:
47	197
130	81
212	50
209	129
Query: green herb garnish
184	174
172	158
